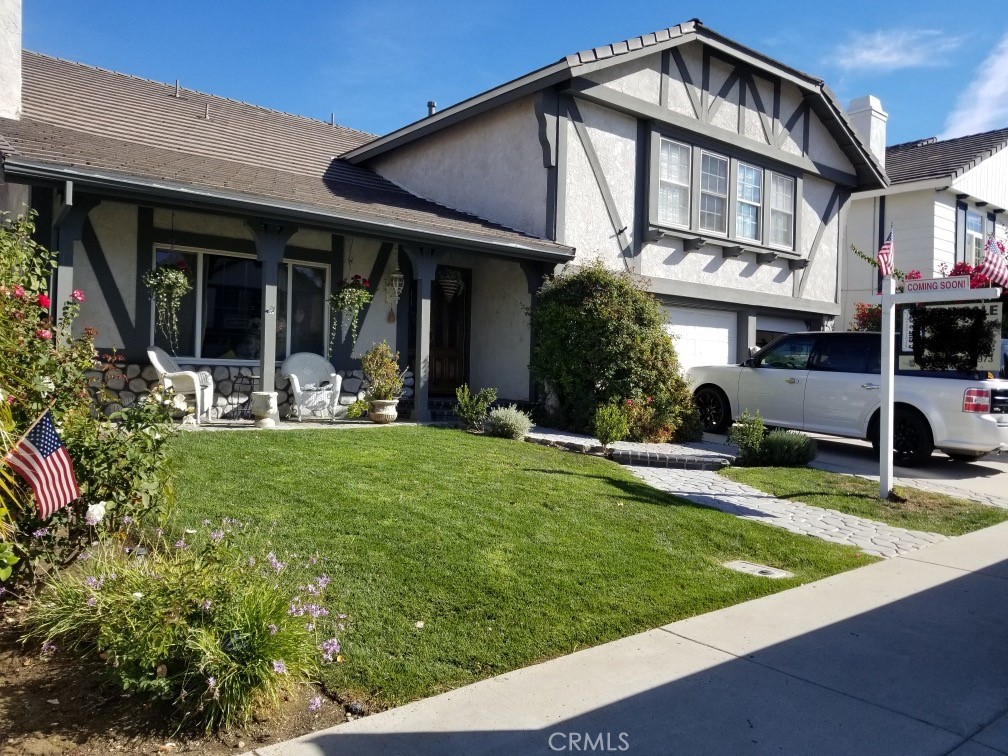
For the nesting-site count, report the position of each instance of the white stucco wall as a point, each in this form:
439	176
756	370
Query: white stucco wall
819	278
490	165
201	223
499	338
639	78
115	225
359	255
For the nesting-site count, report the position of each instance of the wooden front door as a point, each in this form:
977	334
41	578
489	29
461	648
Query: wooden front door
451	297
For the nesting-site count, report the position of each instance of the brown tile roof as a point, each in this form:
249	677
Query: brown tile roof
950	158
94	121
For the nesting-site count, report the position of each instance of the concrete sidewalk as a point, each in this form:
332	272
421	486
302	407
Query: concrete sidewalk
908	656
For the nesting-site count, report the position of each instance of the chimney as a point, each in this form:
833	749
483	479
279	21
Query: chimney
10	58
431	108
870	121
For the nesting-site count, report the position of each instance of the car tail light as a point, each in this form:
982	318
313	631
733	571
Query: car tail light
977	400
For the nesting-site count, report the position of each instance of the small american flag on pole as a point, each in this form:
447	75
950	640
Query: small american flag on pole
994	266
885	256
42	460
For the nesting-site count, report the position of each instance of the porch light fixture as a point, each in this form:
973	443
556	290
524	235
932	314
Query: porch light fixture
394	286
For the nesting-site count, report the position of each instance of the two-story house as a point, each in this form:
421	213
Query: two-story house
718	175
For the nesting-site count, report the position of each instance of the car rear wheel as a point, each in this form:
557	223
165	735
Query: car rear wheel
912	439
715	411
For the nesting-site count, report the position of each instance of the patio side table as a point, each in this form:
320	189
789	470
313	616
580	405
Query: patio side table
243	384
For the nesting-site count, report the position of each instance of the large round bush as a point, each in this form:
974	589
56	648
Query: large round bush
600	338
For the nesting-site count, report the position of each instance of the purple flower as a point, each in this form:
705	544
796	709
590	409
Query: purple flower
251	561
40	532
127	520
217	536
279	667
205	606
315	704
272	629
296	610
181	544
275	563
310	626
92	582
329	649
48	647
322	581
92	601
211	682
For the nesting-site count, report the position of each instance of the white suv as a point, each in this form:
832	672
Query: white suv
829	383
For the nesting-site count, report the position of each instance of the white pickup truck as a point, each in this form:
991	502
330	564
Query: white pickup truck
829	383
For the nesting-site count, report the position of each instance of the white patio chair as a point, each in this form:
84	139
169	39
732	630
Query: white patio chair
185	382
313	383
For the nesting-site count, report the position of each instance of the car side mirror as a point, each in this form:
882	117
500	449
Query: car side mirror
750	362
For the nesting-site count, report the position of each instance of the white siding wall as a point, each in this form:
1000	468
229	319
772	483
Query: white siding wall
988	181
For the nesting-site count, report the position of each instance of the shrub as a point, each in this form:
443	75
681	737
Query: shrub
381	368
611	423
197	623
508	422
472	409
600	338
747	434
786	448
357	409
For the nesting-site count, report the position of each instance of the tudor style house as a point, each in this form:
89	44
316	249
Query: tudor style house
945	198
718	175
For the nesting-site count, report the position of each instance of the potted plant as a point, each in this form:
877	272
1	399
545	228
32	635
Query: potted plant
167	285
385	382
350	298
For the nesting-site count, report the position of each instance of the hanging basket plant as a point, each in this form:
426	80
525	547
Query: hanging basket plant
451	283
168	284
350	298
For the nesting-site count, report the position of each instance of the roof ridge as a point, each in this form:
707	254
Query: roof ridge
198	92
926	141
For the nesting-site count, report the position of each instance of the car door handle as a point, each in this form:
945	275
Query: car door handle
794	380
870	386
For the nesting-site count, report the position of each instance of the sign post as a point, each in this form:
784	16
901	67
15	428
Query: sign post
952	289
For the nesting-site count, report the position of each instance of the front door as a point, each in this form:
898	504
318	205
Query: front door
451	296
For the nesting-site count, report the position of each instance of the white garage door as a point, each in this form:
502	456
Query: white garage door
704	337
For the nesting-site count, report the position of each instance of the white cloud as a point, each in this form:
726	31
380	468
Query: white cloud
885	51
983	105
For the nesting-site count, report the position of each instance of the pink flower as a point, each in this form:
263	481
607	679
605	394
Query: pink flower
44	333
78	295
44	301
19	292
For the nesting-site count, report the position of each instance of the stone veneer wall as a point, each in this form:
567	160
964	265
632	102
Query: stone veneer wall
120	386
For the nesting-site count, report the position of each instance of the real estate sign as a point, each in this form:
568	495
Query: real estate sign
906	358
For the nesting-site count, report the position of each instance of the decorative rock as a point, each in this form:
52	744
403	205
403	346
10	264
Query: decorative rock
244	371
138	385
149	373
127	398
220	373
346	400
356	374
116	382
281	397
352	385
109	409
408	381
407	393
132	371
223	387
361	395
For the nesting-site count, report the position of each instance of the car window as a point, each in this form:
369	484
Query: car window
790	353
846	353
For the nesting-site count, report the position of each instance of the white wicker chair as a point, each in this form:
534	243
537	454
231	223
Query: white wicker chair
185	382
313	382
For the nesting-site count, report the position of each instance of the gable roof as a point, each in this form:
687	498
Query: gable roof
950	158
821	98
129	135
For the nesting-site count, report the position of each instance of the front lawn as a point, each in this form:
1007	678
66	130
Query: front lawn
918	510
508	553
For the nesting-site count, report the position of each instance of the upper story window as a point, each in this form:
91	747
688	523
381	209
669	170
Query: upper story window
974	237
675	165
222	317
700	190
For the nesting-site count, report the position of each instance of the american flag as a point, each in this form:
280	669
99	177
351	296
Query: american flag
42	460
885	255
994	267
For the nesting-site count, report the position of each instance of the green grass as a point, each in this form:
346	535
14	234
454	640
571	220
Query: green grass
510	553
918	510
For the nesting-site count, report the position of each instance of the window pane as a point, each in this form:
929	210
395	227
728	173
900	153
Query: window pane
713	213
308	309
187	312
974	222
673	184
791	353
781	192
781	210
232	307
714	174
747	221
750	183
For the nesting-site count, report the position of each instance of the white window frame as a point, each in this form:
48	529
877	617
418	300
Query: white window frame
771	210
739	201
974	253
726	197
198	287
687	185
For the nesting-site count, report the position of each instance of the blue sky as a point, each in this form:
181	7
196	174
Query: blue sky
376	63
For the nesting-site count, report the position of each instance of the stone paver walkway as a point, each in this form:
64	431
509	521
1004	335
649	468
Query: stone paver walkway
698	455
712	490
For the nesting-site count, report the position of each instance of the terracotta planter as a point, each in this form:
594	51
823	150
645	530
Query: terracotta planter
382	410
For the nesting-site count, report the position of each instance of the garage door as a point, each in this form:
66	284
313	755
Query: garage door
704	337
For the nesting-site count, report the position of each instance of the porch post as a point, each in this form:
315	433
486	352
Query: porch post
534	272
271	241
424	261
68	227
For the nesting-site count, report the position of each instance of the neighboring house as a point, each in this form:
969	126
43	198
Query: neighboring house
944	200
717	173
